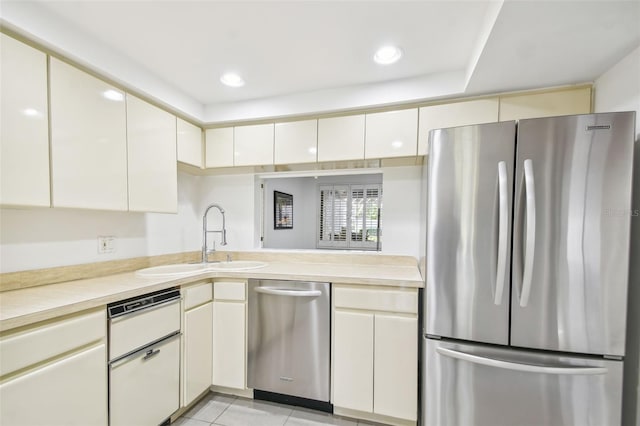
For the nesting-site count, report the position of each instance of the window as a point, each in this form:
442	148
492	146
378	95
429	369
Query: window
349	216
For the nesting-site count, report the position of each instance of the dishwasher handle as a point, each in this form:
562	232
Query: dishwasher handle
275	291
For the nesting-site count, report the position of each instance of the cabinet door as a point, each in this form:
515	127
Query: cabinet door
453	115
189	140
219	147
71	391
296	142
253	145
395	391
152	167
549	104
341	138
198	332
391	134
24	132
88	140
144	387
353	361
229	360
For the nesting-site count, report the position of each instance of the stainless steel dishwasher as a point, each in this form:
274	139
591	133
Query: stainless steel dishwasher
289	342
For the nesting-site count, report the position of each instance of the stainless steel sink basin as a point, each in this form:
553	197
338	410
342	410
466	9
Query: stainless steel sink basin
185	269
236	265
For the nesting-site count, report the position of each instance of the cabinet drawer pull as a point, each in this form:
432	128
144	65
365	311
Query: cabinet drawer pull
151	353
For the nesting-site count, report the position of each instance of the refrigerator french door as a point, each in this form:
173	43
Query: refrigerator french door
527	263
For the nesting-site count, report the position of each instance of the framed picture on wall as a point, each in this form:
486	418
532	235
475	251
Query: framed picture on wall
282	210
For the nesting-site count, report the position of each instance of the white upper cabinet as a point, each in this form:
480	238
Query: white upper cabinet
219	147
253	145
189	140
341	138
152	166
24	130
296	142
88	140
548	104
391	134
452	115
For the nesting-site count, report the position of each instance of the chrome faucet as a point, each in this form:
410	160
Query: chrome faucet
205	231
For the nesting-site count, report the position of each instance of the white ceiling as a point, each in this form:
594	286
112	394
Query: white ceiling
306	57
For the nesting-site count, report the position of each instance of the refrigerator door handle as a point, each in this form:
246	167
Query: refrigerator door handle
530	241
529	368
502	232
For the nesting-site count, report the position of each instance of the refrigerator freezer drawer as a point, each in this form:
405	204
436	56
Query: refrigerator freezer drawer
467	384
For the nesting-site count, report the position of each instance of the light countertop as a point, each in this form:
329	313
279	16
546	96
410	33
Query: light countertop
30	305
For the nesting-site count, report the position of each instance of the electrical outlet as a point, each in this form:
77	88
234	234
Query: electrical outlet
106	244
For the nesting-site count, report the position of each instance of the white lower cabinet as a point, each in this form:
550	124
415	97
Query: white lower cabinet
353	361
375	353
198	335
145	386
71	391
55	373
395	391
229	360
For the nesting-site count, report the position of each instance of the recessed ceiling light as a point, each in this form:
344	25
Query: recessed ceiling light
232	79
387	55
113	95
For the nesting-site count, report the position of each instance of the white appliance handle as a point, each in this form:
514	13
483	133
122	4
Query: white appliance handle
497	363
503	222
530	242
287	292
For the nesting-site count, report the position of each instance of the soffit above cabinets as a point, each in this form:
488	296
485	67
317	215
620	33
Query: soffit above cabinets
306	58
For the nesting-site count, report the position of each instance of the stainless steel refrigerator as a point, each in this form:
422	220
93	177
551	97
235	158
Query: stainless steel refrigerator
527	255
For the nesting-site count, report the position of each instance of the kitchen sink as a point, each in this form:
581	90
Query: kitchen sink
236	265
177	269
185	269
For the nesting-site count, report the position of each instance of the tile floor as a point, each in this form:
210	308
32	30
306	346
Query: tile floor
224	410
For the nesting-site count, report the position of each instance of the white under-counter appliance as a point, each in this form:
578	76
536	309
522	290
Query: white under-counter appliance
527	258
144	359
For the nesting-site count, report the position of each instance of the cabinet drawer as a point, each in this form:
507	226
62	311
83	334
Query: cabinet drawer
229	290
70	391
404	301
197	295
37	344
132	331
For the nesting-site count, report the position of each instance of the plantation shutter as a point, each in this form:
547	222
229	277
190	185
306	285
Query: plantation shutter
349	216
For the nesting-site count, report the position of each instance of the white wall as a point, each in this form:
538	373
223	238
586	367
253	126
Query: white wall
45	238
302	235
236	194
400	220
618	89
173	233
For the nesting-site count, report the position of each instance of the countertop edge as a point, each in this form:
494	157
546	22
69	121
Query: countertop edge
137	286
